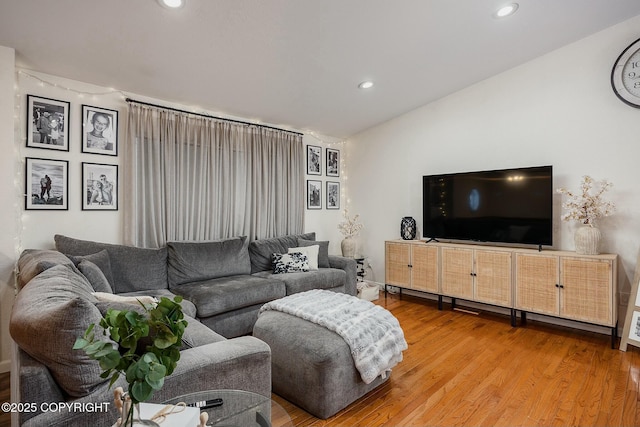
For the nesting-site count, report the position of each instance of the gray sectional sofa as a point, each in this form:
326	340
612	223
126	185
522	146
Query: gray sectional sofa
224	283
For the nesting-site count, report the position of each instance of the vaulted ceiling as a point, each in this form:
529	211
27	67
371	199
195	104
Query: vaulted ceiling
295	63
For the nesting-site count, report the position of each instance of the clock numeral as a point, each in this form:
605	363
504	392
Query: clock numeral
632	75
635	64
636	85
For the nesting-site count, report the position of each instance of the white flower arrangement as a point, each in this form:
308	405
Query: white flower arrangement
350	227
586	207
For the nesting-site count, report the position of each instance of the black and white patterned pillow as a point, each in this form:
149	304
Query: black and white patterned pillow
290	263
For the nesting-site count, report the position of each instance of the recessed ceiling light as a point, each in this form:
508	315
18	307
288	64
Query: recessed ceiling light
366	84
172	4
506	10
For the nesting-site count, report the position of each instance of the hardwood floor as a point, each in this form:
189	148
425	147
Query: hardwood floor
476	370
467	370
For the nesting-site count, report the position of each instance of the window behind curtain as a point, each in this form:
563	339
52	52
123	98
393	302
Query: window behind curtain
188	177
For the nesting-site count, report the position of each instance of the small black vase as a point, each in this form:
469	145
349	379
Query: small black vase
408	228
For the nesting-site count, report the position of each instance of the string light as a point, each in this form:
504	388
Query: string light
80	93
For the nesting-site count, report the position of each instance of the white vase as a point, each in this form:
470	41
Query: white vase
587	240
348	246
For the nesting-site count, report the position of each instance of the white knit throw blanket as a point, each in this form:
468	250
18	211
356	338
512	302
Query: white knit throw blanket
373	334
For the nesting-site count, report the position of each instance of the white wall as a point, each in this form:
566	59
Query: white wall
9	209
558	109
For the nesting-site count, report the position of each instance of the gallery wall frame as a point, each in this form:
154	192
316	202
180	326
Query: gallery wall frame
99	130
314	160
333	162
314	194
333	195
99	187
46	184
47	123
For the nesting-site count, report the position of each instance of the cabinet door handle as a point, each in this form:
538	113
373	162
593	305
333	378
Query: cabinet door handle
410	266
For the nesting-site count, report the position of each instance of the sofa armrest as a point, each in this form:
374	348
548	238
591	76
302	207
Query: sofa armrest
41	388
350	267
242	363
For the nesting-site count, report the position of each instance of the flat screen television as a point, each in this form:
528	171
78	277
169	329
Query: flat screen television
505	206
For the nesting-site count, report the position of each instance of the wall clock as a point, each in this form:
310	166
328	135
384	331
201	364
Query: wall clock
625	76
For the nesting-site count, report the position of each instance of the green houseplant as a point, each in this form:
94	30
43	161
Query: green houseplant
148	347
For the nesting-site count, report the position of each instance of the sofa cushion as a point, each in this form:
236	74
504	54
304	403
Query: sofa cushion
260	251
134	269
290	263
48	314
323	278
101	260
216	296
34	261
311	252
323	252
197	261
195	334
188	308
95	276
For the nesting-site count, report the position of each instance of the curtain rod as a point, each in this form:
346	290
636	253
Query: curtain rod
209	117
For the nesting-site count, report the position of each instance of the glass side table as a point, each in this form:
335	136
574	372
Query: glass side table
239	408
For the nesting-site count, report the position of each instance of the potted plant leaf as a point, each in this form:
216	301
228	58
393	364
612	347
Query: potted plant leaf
148	348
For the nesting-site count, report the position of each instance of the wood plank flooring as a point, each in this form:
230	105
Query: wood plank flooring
467	370
476	370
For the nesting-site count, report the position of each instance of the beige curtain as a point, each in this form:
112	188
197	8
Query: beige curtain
188	177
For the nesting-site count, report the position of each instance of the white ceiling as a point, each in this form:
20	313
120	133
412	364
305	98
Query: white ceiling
295	63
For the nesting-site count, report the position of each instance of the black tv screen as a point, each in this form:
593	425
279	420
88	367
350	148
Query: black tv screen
507	206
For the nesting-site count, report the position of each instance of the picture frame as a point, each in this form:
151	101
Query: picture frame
99	187
46	184
333	162
47	123
333	195
99	131
314	194
314	160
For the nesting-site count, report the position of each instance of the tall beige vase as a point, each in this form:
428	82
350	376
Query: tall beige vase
587	240
348	246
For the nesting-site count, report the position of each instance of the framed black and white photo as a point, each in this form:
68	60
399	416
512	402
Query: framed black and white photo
99	187
333	195
314	194
314	160
46	184
47	123
99	131
333	162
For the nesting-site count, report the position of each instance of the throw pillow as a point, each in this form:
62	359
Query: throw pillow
135	300
323	253
95	276
100	259
48	315
290	263
34	261
311	252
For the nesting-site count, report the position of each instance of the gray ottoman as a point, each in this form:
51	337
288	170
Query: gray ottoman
311	366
